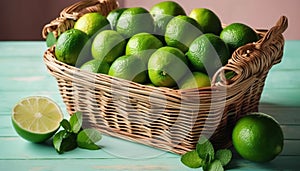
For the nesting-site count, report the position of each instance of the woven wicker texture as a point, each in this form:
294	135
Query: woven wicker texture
162	117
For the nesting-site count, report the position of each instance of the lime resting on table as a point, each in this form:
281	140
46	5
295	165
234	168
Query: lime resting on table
36	118
258	137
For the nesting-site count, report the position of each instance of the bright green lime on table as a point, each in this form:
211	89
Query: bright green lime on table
36	118
258	137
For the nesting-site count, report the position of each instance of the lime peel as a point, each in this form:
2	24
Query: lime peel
36	118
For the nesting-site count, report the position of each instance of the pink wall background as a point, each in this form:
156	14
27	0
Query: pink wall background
24	20
256	13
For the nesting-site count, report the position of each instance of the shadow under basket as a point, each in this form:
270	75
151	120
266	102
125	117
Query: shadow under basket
161	117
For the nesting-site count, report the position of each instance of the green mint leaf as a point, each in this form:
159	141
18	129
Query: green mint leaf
87	139
191	159
216	165
57	140
224	156
76	122
64	141
50	39
66	125
205	149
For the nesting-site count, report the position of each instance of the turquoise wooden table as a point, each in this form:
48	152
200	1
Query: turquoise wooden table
23	73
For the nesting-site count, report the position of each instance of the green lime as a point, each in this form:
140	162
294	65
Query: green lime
167	66
70	45
91	23
258	137
195	80
96	66
162	13
108	45
129	67
135	20
113	17
237	35
207	19
143	45
181	32
36	118
207	53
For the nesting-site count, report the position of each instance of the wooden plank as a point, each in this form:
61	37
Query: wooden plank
281	97
20	49
111	148
280	79
174	164
119	148
290	59
28	83
284	115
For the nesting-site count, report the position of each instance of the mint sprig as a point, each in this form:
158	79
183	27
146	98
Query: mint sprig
50	39
73	135
205	156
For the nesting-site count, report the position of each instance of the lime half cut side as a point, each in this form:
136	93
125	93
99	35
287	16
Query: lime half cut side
36	118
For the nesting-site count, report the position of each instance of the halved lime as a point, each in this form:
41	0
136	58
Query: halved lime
36	118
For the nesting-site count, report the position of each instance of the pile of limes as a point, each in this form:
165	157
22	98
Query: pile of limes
162	46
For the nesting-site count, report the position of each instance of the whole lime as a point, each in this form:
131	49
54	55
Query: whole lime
114	16
237	35
69	46
135	20
258	137
195	80
96	66
181	31
91	23
108	45
162	13
207	19
129	67
207	53
167	66
143	45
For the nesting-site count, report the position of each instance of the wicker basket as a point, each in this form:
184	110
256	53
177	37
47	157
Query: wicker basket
165	118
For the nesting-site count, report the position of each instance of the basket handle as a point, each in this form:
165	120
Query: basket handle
279	28
70	14
253	58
